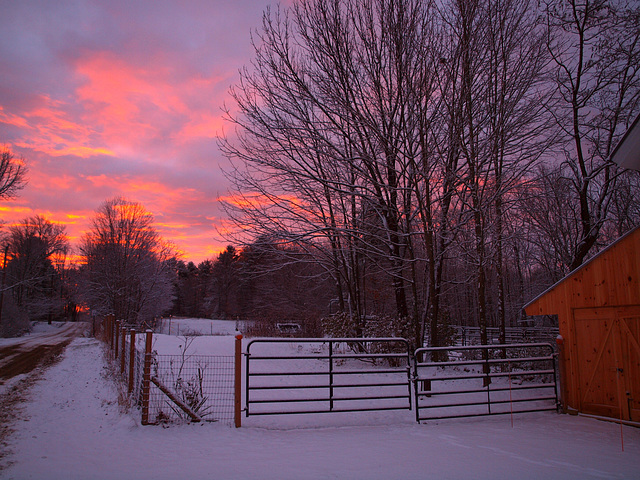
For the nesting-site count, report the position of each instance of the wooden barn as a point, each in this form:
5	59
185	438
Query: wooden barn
598	308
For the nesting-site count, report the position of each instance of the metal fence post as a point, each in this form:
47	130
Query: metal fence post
132	359
105	329
109	332
237	404
147	378
330	375
487	380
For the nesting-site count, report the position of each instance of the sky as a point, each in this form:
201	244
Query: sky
107	98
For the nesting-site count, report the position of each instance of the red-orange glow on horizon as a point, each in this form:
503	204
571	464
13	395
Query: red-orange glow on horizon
257	200
14	210
251	200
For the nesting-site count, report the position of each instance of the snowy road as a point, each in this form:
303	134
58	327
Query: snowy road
21	355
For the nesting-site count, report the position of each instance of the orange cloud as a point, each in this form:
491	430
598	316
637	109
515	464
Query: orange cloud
153	194
141	113
62	182
14	214
118	90
249	200
7	209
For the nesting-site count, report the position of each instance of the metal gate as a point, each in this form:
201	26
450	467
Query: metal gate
484	380
302	375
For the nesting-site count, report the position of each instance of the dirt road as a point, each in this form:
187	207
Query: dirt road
26	353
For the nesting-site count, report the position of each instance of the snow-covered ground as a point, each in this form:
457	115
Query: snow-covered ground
73	428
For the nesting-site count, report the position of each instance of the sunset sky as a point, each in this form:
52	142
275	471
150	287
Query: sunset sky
108	98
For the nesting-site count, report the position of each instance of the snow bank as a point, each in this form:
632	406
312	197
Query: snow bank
73	428
37	328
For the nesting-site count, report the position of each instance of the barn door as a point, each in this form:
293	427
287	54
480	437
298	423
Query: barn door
630	352
607	347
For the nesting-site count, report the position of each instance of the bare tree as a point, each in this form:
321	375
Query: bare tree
496	59
34	249
13	173
128	268
595	45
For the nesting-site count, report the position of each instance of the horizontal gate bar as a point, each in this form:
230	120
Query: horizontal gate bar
339	385
341	410
325	399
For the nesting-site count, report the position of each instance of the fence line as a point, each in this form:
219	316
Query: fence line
470	335
208	388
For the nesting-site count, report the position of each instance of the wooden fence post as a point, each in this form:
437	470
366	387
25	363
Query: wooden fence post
132	359
112	330
116	337
146	387
238	382
124	345
106	325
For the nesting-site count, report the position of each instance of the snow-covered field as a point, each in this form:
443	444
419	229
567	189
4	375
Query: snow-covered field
72	427
181	326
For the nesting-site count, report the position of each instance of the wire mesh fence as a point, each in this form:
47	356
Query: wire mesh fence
172	388
191	388
133	370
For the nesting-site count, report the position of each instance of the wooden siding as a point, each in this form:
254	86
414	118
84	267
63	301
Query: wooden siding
609	279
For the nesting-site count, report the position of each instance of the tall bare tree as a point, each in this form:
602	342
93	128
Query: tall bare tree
128	267
327	136
497	58
595	45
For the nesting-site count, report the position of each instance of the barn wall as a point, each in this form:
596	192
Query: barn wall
609	280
